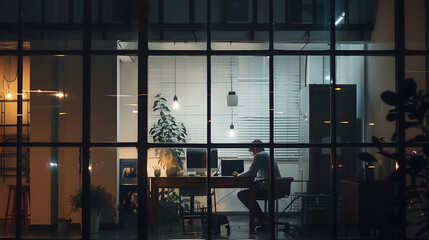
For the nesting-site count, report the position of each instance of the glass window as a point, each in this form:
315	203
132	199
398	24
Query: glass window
177	107
53	25
361	113
9	19
114	24
114	98
415	27
301	25
177	25
239	24
301	99
52	98
365	25
240	100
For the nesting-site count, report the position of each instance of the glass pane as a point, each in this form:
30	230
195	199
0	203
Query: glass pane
416	68
178	196
301	99
115	24
415	27
8	127
361	113
54	175
53	25
177	25
302	195
7	186
54	98
365	24
243	82
114	98
9	21
301	25
239	24
113	195
177	99
366	194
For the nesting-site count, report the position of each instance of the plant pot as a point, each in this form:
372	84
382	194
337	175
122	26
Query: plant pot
95	220
171	171
63	225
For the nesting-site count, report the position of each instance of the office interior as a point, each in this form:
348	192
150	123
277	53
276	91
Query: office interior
71	105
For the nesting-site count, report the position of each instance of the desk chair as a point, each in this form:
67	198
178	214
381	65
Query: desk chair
192	214
281	190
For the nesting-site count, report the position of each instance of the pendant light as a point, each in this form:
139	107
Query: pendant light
175	105
231	98
231	127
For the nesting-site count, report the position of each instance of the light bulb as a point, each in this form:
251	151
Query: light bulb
60	95
231	130
9	95
175	105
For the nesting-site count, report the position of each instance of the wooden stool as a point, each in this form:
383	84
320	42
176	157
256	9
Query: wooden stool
25	205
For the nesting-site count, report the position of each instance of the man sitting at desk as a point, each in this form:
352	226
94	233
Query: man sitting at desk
260	168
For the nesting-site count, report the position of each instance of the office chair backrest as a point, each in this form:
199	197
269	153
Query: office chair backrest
282	187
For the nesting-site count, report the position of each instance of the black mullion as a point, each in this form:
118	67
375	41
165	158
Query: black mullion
71	11
18	195
271	113
333	117
209	142
400	124
86	119
142	121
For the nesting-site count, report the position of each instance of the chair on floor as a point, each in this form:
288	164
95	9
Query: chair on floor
282	188
199	213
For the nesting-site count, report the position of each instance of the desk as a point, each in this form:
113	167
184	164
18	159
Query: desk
197	182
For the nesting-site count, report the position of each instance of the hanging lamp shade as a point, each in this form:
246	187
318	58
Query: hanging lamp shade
231	99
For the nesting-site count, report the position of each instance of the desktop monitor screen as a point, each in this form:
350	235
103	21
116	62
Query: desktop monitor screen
229	166
196	159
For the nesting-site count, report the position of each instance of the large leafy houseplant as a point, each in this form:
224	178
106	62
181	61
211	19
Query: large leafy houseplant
416	195
167	130
99	198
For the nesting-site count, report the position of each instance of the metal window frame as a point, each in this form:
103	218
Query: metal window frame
142	144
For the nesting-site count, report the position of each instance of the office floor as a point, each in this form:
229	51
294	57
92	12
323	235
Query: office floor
238	223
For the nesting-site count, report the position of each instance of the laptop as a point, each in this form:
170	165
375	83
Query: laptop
229	166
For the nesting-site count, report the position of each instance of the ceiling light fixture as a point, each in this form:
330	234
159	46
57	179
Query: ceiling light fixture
231	98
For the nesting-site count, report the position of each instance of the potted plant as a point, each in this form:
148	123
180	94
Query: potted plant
167	130
99	200
64	223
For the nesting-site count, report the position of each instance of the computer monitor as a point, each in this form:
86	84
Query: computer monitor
196	159
229	166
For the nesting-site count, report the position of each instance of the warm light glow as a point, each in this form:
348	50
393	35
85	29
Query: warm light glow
231	130
60	95
397	165
327	122
135	111
371	124
340	166
338	89
370	166
89	168
176	104
8	95
231	133
344	122
39	91
62	113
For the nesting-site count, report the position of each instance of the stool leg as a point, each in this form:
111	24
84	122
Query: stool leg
25	210
13	210
7	209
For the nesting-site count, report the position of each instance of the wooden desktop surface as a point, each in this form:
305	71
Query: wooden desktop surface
198	182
